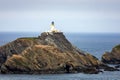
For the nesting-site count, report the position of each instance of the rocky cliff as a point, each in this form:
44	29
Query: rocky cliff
49	53
112	57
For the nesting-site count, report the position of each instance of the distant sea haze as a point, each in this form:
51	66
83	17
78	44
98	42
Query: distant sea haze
96	44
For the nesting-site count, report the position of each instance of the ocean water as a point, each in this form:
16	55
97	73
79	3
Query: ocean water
79	76
95	44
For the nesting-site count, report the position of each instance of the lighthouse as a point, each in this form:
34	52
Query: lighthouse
52	28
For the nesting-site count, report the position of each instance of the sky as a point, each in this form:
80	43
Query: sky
83	16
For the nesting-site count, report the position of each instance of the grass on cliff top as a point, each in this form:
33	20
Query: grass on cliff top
29	38
118	46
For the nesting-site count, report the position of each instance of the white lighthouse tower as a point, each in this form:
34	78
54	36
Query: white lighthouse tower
52	28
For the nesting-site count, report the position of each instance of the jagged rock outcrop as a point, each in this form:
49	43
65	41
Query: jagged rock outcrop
49	53
112	57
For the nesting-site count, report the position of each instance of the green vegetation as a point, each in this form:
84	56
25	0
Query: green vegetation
118	46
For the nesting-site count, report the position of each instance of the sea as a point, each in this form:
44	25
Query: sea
93	43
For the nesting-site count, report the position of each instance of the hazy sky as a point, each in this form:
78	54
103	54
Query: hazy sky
68	15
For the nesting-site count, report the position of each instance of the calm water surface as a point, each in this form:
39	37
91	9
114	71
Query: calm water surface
102	76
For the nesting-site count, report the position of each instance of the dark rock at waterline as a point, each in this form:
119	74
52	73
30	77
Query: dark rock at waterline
117	66
111	69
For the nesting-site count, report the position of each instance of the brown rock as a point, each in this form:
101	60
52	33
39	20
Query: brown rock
49	53
112	57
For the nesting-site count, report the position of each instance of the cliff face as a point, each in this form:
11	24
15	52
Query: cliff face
48	53
112	57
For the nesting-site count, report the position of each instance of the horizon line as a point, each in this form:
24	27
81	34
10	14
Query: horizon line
63	32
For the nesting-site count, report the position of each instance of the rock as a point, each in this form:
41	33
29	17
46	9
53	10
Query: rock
107	68
117	66
49	53
112	57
